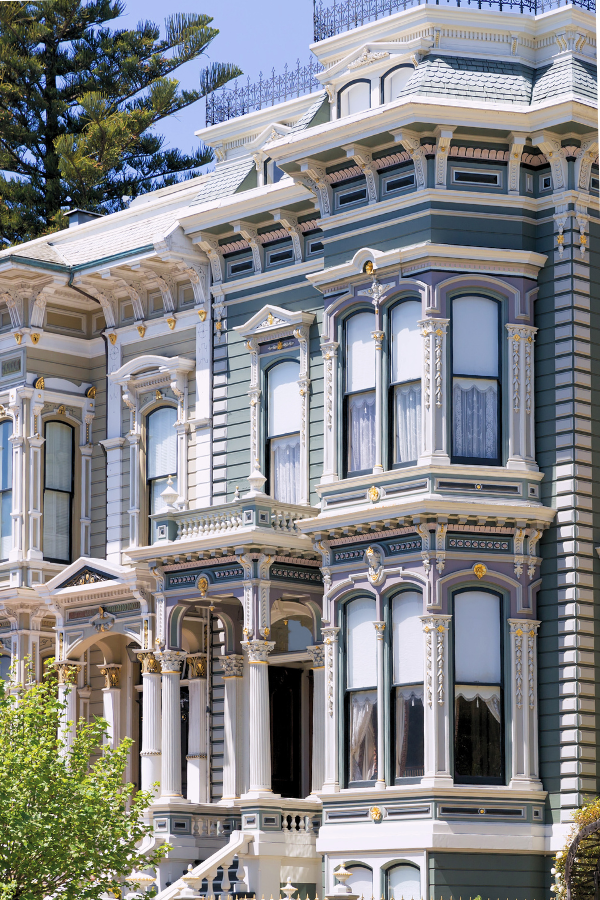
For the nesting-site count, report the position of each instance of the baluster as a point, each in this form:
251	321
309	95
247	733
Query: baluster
225	884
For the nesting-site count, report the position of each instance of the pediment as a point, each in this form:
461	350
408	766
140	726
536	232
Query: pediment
84	577
86	572
271	319
376	52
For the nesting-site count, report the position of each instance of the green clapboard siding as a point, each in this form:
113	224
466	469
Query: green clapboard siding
497	876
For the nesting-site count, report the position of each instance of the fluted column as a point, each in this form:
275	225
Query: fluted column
111	703
260	724
197	774
170	774
67	693
438	695
150	753
330	638
380	783
317	654
233	671
523	660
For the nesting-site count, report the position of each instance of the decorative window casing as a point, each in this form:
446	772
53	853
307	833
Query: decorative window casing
58	491
161	456
360	398
361	692
408	672
284	421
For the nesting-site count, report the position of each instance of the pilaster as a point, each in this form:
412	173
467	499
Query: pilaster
233	671
434	393
317	654
331	783
111	702
523	663
521	429
197	755
438	696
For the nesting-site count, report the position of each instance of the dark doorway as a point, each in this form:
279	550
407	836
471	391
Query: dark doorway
285	699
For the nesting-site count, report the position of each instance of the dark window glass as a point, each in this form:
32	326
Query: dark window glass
352	197
396	184
410	745
476	178
478	737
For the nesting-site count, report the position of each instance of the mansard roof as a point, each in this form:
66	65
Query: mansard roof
224	181
566	75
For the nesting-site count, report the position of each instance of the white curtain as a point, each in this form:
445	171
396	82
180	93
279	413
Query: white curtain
361	881
408	639
360	352
488	695
59	456
477	638
408	422
361	416
285	468
363	732
475	426
57	516
157	486
355	98
407	343
161	444
475	336
361	643
284	401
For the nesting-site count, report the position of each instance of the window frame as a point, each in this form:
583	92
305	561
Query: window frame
343	90
396	864
541	177
282	245
504	724
391	385
392	685
71	493
266	443
475	460
241	256
390	175
346	395
8	490
347	694
148	481
359	183
476	170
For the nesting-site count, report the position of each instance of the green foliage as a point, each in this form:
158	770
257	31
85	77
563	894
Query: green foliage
586	858
69	825
78	101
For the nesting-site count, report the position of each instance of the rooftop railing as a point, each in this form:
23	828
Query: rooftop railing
343	15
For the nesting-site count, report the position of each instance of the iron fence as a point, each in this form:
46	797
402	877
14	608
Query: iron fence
344	15
228	103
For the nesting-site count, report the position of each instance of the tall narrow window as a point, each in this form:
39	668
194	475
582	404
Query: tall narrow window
361	694
478	688
6	429
161	454
360	393
476	379
408	676
58	491
405	382
284	408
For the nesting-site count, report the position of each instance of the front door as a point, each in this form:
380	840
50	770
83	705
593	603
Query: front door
285	699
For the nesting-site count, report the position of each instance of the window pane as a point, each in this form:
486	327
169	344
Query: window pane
407	343
284	401
363	736
477	613
59	457
355	98
361	881
360	352
404	882
5	456
410	746
408	422
161	448
157	486
362	645
475	418
361	432
478	733
6	525
57	523
407	631
285	468
475	336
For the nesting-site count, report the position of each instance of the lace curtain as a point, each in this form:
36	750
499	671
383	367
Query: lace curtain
408	422
361	415
363	736
285	462
475	427
488	695
409	733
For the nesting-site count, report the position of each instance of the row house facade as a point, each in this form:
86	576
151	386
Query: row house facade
297	469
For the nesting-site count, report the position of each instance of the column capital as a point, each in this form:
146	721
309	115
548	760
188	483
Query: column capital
258	651
317	654
196	665
67	672
170	660
150	664
233	665
520	627
379	629
435	623
330	634
111	675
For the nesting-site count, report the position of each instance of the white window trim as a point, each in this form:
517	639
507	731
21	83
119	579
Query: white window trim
392	176
476	170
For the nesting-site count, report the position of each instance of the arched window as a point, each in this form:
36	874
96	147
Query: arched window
284	411
404	882
406	356
58	491
6	429
408	676
476	380
161	454
360	393
354	98
478	688
361	881
361	691
395	81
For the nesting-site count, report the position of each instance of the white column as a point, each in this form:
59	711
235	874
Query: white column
435	393
233	671
438	696
67	693
380	783
111	703
260	724
521	425
197	761
170	780
329	350
317	654
524	726
331	783
151	721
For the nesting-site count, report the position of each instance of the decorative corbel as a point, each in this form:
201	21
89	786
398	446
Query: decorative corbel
250	234
550	145
14	303
210	245
519	558
411	141
583	164
167	289
38	310
290	223
422	529
134	290
364	160
107	302
442	149
314	177
582	219
440	546
533	561
197	275
517	142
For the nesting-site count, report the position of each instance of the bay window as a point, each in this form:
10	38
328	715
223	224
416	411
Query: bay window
284	413
161	454
58	491
405	381
6	455
408	675
476	380
360	397
361	691
478	737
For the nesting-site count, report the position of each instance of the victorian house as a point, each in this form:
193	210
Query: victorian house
296	464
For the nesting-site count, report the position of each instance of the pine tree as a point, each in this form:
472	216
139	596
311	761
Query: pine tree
78	100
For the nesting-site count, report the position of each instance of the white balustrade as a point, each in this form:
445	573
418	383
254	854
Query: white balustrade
229	520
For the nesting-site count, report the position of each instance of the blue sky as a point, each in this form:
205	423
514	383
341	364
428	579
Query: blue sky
255	34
